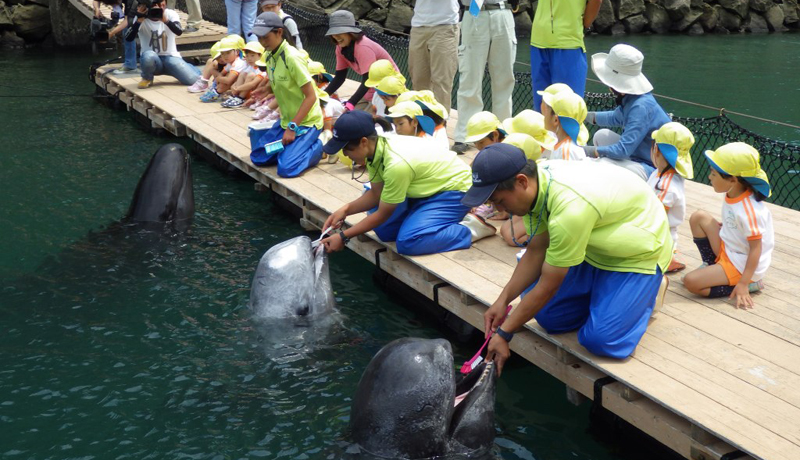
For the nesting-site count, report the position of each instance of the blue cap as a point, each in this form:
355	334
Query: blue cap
349	127
492	165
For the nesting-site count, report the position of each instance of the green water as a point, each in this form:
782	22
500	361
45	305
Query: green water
121	345
754	75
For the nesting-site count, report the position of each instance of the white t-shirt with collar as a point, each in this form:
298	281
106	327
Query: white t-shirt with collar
669	188
745	219
155	35
565	150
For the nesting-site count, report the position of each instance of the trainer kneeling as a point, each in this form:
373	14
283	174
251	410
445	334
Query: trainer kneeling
415	194
599	244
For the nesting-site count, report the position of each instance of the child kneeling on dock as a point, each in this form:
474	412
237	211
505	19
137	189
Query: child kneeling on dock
293	142
415	192
672	158
737	251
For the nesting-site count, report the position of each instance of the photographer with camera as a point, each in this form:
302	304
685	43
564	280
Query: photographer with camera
157	27
123	14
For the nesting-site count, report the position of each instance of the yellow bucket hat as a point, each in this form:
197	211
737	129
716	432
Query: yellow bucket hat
317	68
526	143
231	42
675	142
261	62
254	47
215	53
379	70
481	124
531	123
570	109
391	86
740	160
412	110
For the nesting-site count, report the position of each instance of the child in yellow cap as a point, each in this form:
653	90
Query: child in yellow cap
230	53
247	80
531	123
321	76
379	70
737	251
389	89
212	69
564	113
409	120
430	108
484	129
671	155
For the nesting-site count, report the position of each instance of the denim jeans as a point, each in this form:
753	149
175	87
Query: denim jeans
130	51
153	64
241	16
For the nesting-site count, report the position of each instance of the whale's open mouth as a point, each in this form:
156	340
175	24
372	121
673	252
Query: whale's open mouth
471	381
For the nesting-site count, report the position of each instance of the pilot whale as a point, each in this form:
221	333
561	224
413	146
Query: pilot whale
292	280
410	405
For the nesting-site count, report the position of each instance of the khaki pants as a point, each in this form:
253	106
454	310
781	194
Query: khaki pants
489	38
432	60
195	13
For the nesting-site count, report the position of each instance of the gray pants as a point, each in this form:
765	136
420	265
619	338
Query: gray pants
195	13
604	137
433	60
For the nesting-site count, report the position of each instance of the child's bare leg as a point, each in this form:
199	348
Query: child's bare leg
702	280
520	232
210	69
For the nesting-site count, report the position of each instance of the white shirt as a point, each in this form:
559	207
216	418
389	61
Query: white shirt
565	150
291	26
380	106
440	136
745	219
156	36
435	12
239	66
669	188
333	109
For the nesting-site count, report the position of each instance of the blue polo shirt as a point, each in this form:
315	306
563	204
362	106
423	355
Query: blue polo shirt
639	116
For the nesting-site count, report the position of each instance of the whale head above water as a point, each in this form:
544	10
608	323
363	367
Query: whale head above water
292	280
165	192
410	405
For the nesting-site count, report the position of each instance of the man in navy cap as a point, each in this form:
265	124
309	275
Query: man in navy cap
598	245
415	191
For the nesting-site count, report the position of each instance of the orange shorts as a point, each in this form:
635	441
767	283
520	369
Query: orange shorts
730	270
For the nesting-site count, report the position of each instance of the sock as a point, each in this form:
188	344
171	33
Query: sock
720	291
706	253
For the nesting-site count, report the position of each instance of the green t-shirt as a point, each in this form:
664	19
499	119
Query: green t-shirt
558	24
288	72
411	167
601	214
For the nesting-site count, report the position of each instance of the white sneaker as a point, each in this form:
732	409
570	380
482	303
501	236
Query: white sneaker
122	70
662	293
478	227
200	86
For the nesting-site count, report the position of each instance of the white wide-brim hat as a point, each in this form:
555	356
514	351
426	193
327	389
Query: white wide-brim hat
621	69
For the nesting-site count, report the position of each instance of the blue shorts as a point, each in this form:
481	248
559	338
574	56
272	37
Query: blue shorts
551	65
609	309
427	225
303	153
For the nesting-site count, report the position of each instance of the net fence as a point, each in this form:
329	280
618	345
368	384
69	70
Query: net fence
781	160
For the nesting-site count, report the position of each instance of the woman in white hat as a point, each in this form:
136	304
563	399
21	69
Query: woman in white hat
638	113
353	51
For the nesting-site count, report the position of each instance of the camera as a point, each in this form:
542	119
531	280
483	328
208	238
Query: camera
154	10
98	30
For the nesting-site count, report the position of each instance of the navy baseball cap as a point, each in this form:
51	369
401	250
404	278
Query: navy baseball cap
349	127
266	23
492	165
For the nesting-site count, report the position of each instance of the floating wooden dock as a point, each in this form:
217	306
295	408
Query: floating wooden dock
190	44
707	380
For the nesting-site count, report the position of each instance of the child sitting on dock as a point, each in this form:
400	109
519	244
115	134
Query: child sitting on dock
212	69
379	70
321	76
409	120
555	88
484	129
248	78
564	114
737	252
531	123
332	109
230	53
389	89
430	108
672	158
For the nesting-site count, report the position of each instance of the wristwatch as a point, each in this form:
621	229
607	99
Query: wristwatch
507	336
345	239
292	126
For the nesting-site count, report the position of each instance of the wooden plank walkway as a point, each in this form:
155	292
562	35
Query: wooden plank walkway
706	380
207	33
